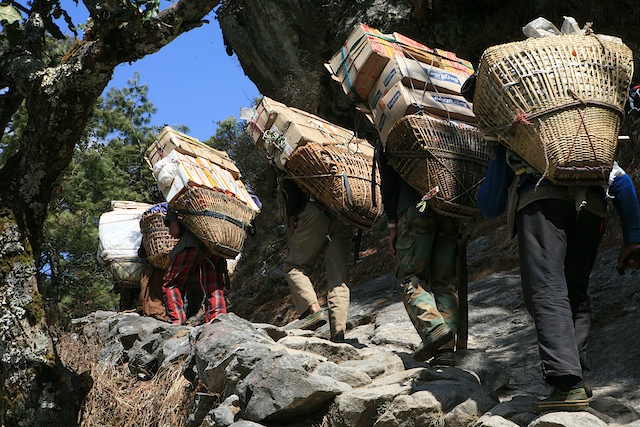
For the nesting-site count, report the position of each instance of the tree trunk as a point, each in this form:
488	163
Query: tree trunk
35	388
59	98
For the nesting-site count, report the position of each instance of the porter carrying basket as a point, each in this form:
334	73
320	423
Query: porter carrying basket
340	179
156	240
217	219
445	161
557	102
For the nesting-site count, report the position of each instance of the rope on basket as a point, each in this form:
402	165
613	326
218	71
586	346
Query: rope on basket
528	118
586	130
243	225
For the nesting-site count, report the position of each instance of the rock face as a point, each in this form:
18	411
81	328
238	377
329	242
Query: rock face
275	376
283	44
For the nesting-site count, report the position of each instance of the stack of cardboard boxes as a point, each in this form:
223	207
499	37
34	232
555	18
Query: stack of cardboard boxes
333	165
391	75
279	130
179	161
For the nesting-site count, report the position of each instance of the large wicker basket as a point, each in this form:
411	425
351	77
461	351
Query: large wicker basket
340	179
446	160
557	102
127	272
156	240
217	219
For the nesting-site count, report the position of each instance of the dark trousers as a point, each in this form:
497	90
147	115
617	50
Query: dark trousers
558	247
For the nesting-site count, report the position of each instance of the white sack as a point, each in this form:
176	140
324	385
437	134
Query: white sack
120	235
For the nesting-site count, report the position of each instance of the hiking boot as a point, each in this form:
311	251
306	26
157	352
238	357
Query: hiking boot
587	389
338	337
444	358
572	400
313	321
431	342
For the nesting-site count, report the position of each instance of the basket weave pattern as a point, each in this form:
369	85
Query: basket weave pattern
340	179
428	153
217	219
556	101
127	272
156	240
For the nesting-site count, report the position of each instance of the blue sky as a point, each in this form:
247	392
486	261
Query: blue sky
192	81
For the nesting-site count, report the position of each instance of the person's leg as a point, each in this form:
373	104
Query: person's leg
154	298
305	246
582	248
443	281
336	259
414	251
175	280
194	297
210	275
143	297
542	238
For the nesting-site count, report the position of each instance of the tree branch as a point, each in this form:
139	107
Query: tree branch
132	40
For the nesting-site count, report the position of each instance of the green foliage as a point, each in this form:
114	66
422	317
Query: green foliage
11	20
107	165
9	14
134	13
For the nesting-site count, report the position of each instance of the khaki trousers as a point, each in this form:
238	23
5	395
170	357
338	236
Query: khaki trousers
317	231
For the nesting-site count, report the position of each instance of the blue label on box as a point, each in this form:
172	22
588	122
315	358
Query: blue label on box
389	77
451	101
376	98
383	119
443	77
393	100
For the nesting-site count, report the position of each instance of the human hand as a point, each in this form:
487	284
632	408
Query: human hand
629	257
393	238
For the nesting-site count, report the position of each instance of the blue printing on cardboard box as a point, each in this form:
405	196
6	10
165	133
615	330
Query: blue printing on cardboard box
393	100
383	119
376	98
451	101
385	82
389	76
442	76
435	75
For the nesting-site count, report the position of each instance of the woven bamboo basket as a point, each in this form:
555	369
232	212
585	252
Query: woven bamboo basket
127	272
217	219
447	160
340	179
156	240
557	102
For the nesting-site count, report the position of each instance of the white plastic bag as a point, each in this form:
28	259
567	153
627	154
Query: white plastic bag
570	26
540	27
165	172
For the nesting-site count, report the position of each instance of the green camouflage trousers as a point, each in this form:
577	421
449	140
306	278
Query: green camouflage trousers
426	252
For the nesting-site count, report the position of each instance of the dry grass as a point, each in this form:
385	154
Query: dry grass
75	354
119	399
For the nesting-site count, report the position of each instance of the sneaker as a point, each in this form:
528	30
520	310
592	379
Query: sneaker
431	342
444	358
314	320
572	400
